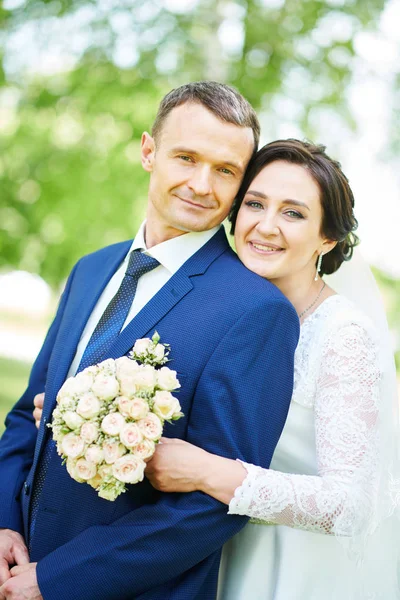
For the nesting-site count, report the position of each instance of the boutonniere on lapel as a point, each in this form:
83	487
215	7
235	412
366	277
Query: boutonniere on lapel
110	416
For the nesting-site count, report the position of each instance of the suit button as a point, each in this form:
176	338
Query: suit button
27	488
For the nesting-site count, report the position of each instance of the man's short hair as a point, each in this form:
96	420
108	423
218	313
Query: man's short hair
222	100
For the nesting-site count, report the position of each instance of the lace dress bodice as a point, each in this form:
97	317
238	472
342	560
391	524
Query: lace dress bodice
323	474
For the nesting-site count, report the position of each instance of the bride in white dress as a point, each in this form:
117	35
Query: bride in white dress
314	512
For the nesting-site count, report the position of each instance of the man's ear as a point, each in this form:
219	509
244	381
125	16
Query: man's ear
148	149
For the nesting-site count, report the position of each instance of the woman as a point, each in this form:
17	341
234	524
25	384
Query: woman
293	222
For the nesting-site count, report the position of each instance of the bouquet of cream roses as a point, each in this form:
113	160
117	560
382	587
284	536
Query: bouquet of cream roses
110	417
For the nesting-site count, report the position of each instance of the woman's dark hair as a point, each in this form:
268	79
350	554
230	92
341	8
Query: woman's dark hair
337	200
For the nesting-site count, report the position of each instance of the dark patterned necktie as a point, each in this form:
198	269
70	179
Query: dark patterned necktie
105	333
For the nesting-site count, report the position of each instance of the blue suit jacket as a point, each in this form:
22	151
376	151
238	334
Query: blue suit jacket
233	337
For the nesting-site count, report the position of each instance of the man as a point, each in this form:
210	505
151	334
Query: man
232	337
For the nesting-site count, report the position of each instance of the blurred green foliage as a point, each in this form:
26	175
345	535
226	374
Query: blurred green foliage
14	375
70	175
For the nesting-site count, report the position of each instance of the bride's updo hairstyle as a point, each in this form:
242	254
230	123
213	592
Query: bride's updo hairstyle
337	200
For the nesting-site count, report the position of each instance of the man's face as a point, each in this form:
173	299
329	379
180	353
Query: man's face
196	170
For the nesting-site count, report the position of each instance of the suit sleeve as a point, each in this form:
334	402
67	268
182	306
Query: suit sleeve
239	410
17	444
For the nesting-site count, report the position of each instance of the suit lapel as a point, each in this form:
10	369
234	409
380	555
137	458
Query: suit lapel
170	294
92	284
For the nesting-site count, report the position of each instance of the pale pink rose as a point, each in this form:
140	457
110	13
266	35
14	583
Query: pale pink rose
66	402
106	387
71	464
165	405
145	449
123	403
127	386
84	469
89	432
112	451
94	454
83	382
129	469
142	346
145	378
72	445
138	408
89	406
107	367
67	389
151	427
167	379
130	435
72	419
126	366
158	352
112	423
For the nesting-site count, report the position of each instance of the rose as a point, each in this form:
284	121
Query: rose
142	346
107	367
130	435
125	367
145	378
158	352
165	405
72	419
167	379
70	464
72	445
67	389
138	408
89	406
94	454
112	451
129	469
89	432
127	386
123	403
151	427
106	387
66	403
105	472
83	381
84	469
145	449
112	423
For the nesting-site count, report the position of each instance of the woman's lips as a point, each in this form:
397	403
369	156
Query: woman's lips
265	248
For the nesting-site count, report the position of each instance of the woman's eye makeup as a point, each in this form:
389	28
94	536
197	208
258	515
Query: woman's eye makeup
253	204
294	214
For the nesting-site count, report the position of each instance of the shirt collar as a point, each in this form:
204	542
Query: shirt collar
173	253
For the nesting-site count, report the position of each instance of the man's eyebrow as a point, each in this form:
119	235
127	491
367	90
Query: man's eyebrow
287	201
228	163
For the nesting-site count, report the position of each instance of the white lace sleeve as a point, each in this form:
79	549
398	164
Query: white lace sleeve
339	499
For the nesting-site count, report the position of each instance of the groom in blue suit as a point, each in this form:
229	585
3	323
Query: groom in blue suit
232	337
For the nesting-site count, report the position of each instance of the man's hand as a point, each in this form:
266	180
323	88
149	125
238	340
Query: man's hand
13	551
37	413
22	585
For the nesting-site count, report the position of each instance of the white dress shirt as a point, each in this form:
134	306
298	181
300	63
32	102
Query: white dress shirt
171	255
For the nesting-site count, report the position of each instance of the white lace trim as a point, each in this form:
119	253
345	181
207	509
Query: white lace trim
337	375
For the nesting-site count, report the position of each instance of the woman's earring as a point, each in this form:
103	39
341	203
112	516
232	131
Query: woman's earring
319	263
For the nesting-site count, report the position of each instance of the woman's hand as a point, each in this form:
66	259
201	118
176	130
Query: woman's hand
37	413
178	466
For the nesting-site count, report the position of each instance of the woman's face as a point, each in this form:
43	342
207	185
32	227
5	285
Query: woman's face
278	226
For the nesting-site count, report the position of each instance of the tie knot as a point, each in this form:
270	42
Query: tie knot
140	263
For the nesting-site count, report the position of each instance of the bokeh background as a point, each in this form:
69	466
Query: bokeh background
80	81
